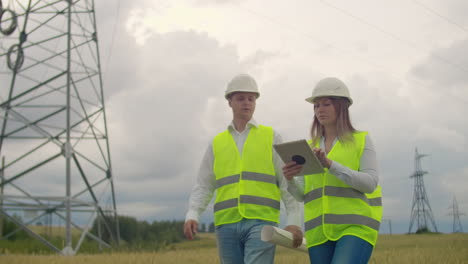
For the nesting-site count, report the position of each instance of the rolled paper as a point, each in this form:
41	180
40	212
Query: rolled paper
281	237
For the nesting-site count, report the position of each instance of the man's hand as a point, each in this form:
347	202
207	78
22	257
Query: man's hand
297	235
190	229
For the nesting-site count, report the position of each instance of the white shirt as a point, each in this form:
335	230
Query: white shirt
365	180
204	188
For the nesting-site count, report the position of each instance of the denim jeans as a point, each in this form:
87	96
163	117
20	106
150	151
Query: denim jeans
240	243
347	249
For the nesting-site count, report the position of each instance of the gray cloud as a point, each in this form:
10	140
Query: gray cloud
158	121
446	68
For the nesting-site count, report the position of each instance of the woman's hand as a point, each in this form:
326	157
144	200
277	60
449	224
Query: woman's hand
291	169
322	157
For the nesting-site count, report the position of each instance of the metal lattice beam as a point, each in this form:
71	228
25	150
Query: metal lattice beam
54	135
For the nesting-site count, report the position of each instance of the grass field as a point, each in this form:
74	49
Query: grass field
428	248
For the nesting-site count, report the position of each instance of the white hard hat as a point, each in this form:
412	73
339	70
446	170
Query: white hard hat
330	87
242	83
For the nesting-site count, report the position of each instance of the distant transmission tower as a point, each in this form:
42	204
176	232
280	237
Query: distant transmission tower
421	213
457	226
389	224
53	123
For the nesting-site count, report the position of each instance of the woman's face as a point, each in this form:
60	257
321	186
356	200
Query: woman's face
325	111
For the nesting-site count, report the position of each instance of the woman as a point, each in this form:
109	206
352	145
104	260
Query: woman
343	205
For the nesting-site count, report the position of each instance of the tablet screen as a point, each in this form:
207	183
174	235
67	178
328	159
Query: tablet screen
300	152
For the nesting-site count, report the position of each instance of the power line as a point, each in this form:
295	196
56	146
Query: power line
114	29
295	29
441	16
308	35
414	46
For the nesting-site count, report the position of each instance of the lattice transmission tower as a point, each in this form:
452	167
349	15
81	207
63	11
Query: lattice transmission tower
457	226
421	213
54	136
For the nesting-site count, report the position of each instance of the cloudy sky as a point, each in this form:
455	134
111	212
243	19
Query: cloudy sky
166	64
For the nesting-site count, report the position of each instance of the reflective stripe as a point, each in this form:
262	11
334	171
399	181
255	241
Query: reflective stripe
250	176
227	180
254	176
345	219
313	223
375	201
351	193
225	204
250	199
341	192
312	195
352	219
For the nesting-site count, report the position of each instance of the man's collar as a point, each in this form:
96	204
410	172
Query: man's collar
251	123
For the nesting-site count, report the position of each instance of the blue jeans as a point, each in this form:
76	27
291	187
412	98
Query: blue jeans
347	249
240	243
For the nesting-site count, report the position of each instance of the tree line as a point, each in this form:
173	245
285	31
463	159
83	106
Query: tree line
134	234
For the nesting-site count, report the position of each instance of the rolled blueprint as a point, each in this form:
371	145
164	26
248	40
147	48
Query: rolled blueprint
281	237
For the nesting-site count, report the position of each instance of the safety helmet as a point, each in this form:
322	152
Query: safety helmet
242	83
330	87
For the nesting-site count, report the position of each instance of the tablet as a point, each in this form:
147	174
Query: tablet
300	152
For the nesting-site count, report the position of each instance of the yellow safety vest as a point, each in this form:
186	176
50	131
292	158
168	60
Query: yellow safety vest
332	208
246	187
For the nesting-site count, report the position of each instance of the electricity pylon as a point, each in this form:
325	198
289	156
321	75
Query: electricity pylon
457	226
421	213
54	135
389	224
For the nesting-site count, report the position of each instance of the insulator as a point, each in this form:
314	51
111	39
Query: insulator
14	21
15	63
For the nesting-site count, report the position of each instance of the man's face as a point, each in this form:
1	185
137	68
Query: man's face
243	104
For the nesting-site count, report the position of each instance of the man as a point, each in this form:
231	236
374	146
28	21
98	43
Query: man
241	166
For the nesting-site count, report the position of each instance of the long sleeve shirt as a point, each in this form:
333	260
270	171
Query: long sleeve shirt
204	188
365	180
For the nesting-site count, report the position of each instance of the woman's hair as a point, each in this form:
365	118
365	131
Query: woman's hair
344	128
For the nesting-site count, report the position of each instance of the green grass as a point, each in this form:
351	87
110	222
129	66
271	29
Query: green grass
390	249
